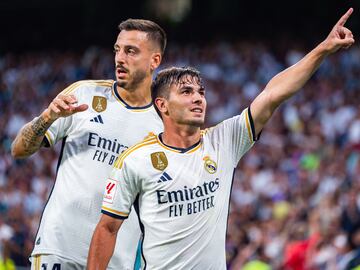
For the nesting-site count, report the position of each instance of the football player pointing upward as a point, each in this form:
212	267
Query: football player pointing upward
180	180
96	121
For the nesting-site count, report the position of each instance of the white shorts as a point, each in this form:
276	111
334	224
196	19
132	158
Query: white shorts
53	262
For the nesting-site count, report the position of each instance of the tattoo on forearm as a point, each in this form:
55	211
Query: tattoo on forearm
31	136
39	126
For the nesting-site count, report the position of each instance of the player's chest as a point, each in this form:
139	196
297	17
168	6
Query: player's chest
170	171
113	123
184	185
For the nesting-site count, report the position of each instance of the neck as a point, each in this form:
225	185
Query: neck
181	136
138	97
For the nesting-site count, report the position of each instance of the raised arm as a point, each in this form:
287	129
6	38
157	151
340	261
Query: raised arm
30	137
288	82
103	242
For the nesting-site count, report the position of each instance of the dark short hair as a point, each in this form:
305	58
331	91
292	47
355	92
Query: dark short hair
169	76
153	30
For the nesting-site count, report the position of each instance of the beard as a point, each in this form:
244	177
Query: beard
134	80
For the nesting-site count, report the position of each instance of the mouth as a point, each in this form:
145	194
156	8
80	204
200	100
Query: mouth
121	72
197	110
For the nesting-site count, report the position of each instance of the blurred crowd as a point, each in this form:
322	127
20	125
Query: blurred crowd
295	201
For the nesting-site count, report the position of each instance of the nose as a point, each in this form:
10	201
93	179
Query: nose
197	98
120	57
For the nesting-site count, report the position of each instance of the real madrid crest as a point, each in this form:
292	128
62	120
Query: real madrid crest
99	103
210	165
159	160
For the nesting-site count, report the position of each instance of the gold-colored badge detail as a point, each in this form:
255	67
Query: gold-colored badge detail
99	103
159	160
210	165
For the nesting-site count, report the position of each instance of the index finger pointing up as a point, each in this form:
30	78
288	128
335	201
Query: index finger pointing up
345	17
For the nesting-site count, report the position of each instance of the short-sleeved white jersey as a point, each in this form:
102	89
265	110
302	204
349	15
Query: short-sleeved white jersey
91	142
182	195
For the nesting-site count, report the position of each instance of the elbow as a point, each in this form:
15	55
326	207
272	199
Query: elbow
275	100
16	153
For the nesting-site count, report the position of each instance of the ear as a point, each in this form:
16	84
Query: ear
155	61
161	104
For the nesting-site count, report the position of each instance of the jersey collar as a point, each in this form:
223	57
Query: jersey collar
123	102
188	150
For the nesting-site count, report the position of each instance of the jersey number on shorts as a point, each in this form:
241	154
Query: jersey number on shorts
56	266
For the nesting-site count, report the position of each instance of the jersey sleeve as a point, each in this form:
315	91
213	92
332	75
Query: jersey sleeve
58	130
236	135
61	127
121	190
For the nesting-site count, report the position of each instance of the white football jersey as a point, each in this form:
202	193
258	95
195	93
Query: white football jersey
182	195
91	142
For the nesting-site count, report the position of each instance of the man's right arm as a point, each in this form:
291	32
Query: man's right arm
31	136
288	82
103	242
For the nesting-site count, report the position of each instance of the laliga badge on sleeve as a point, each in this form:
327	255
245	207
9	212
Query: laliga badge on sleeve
99	103
159	160
110	190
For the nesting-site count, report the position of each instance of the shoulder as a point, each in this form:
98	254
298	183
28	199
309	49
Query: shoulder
87	85
234	125
243	118
137	151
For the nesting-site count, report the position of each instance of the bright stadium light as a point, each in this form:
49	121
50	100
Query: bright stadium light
173	10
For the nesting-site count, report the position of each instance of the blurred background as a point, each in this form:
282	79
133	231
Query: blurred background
295	202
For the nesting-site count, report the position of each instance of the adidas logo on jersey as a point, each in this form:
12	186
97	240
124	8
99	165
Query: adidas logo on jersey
164	177
97	119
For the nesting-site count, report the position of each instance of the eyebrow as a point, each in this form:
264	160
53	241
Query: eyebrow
127	47
188	87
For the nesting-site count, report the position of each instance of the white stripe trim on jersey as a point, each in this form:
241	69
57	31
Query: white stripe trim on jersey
37	262
118	164
250	121
74	86
115	212
48	138
248	125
